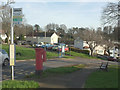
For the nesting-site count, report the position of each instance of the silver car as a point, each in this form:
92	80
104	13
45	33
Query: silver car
4	58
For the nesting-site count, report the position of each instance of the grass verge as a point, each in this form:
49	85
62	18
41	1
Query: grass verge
19	84
81	55
102	79
57	71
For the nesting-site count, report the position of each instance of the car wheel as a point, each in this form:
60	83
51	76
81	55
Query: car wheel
6	62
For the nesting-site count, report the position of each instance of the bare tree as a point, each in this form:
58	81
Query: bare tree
5	16
110	14
111	17
91	37
51	27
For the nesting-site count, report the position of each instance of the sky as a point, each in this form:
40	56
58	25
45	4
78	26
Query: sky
72	14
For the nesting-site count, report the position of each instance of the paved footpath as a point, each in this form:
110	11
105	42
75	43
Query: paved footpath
73	80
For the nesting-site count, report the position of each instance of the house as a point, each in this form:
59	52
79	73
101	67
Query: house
114	52
3	36
79	43
48	37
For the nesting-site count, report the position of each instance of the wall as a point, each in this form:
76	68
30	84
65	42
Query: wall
54	38
44	39
78	44
99	50
32	39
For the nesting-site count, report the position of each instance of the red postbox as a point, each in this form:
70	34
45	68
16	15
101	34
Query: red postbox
40	58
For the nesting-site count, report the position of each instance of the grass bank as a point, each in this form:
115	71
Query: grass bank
27	53
19	84
58	71
102	79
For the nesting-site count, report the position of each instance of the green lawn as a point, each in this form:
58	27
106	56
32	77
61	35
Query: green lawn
19	84
27	53
102	79
58	71
80	55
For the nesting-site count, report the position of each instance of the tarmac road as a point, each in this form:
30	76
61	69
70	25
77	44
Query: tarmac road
25	67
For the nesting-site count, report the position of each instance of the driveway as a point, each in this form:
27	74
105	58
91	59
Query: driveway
26	67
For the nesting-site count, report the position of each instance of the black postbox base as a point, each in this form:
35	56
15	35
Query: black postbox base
38	72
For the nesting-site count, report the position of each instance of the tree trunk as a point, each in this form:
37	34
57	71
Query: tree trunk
91	52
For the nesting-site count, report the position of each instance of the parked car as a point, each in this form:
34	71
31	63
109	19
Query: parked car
60	49
54	48
38	45
4	58
49	47
43	46
109	58
104	57
34	44
112	59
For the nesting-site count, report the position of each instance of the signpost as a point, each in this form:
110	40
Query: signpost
16	18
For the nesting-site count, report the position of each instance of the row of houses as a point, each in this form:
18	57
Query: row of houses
48	37
99	49
52	37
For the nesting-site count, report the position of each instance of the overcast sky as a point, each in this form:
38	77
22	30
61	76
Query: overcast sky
72	14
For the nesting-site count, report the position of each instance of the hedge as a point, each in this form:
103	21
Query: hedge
79	50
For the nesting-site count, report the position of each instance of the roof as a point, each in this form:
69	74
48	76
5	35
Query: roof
42	34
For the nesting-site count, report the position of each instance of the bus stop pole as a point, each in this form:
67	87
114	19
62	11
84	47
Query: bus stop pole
12	39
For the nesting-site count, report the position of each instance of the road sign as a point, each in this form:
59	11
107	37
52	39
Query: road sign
17	16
